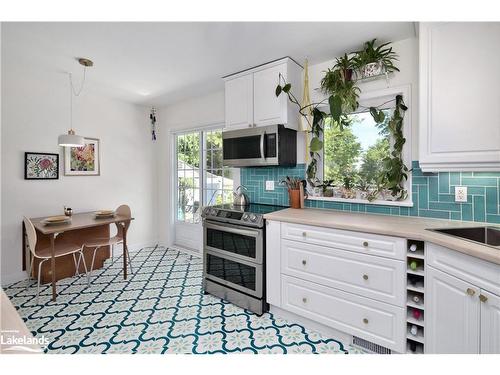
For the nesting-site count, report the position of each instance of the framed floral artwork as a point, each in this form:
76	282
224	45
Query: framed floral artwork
41	166
83	161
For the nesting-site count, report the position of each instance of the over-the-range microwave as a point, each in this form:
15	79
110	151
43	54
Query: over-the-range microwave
260	146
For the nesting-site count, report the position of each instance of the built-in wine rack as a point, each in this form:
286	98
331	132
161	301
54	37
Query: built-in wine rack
415	297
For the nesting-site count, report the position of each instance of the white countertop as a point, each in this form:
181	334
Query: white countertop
399	226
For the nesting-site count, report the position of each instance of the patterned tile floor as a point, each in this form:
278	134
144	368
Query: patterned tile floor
160	309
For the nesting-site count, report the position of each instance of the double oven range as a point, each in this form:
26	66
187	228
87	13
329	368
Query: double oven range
234	254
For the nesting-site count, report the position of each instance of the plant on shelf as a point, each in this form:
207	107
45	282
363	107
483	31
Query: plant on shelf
346	66
372	61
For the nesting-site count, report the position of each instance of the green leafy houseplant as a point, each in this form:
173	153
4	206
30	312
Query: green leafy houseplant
346	66
381	54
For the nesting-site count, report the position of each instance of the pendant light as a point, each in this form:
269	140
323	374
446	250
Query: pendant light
72	139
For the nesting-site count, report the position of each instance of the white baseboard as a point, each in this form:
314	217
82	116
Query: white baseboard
14	277
185	250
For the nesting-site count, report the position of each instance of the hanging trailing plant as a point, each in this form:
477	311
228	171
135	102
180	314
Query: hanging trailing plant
395	171
316	126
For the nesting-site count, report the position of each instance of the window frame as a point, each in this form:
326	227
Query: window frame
372	96
202	169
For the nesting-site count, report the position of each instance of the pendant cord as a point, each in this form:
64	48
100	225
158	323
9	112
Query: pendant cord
75	93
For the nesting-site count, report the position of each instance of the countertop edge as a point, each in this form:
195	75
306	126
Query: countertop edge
418	232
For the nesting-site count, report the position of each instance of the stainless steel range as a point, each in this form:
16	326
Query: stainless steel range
234	254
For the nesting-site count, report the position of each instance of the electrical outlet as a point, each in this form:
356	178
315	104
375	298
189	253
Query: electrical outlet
269	185
460	193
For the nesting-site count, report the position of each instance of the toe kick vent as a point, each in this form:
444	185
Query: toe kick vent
375	348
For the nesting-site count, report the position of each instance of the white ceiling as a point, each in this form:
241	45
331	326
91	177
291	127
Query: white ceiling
160	63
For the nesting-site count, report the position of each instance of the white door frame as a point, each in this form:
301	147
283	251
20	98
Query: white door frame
176	227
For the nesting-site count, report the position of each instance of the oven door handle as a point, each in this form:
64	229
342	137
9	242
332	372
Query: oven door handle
262	136
245	232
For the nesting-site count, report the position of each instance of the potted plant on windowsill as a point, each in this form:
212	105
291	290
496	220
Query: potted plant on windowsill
372	61
363	188
348	183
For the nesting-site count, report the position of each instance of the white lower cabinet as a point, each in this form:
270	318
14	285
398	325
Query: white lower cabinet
349	281
490	323
452	314
364	317
462	303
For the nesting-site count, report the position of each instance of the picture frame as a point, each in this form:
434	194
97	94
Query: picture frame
41	166
83	161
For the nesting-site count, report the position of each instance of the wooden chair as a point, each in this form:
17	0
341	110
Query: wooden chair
98	243
61	248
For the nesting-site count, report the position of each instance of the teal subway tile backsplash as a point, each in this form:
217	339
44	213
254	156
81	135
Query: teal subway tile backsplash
433	194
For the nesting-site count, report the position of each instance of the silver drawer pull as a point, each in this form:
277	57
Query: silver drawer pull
304	300
304	262
365	277
365	244
365	320
304	234
483	298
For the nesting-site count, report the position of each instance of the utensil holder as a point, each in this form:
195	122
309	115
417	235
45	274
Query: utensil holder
294	196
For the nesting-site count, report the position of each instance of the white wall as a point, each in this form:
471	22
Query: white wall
193	113
35	102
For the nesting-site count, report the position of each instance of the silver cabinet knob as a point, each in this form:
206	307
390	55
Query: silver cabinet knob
304	262
249	125
365	320
304	300
483	298
304	234
365	244
470	291
365	277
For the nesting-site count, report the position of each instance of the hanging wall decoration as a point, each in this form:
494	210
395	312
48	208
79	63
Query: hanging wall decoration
83	161
152	118
41	166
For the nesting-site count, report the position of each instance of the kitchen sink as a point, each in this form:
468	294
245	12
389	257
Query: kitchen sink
489	236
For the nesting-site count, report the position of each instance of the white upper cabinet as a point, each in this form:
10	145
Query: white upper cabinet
269	109
251	100
239	102
459	97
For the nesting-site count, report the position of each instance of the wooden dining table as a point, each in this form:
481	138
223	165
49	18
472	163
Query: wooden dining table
79	221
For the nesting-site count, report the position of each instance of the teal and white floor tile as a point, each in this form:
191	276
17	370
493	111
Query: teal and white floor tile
160	309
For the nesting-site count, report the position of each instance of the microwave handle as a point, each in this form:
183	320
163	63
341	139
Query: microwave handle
262	136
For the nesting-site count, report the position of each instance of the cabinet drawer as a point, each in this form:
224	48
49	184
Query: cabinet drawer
389	247
370	276
479	272
375	321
